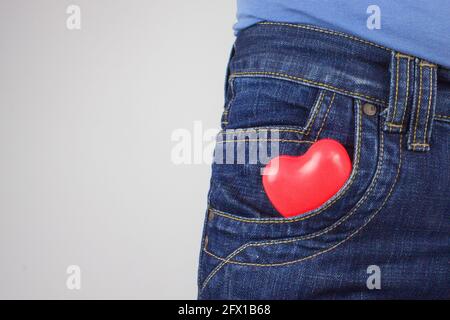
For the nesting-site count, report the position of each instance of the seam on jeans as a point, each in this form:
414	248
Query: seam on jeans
322	30
390	124
228	259
270	139
429	106
438	117
316	110
421	144
286	76
326	206
427	64
325	116
229	104
254	129
419	102
402	55
396	90
406	95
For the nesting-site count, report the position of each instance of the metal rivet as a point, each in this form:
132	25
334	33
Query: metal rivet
210	215
369	109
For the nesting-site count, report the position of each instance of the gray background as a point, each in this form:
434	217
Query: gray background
86	118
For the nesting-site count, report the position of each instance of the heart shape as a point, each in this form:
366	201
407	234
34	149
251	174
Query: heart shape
298	184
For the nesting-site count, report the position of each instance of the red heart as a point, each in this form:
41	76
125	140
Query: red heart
298	184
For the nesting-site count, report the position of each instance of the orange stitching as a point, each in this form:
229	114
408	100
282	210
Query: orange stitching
402	55
390	124
427	64
421	144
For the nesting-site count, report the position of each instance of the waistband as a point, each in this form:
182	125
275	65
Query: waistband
350	66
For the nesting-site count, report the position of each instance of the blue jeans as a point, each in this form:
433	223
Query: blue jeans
386	233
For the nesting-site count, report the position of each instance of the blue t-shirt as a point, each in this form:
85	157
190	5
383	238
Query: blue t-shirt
416	27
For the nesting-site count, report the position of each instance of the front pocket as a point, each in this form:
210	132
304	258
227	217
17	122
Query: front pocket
256	101
241	154
273	241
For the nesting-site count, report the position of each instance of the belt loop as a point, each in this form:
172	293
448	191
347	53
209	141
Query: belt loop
424	102
400	92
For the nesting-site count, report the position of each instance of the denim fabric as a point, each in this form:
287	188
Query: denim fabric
289	86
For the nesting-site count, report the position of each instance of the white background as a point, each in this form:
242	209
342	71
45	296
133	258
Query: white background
86	118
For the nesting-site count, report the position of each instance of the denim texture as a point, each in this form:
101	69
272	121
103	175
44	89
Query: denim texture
306	83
